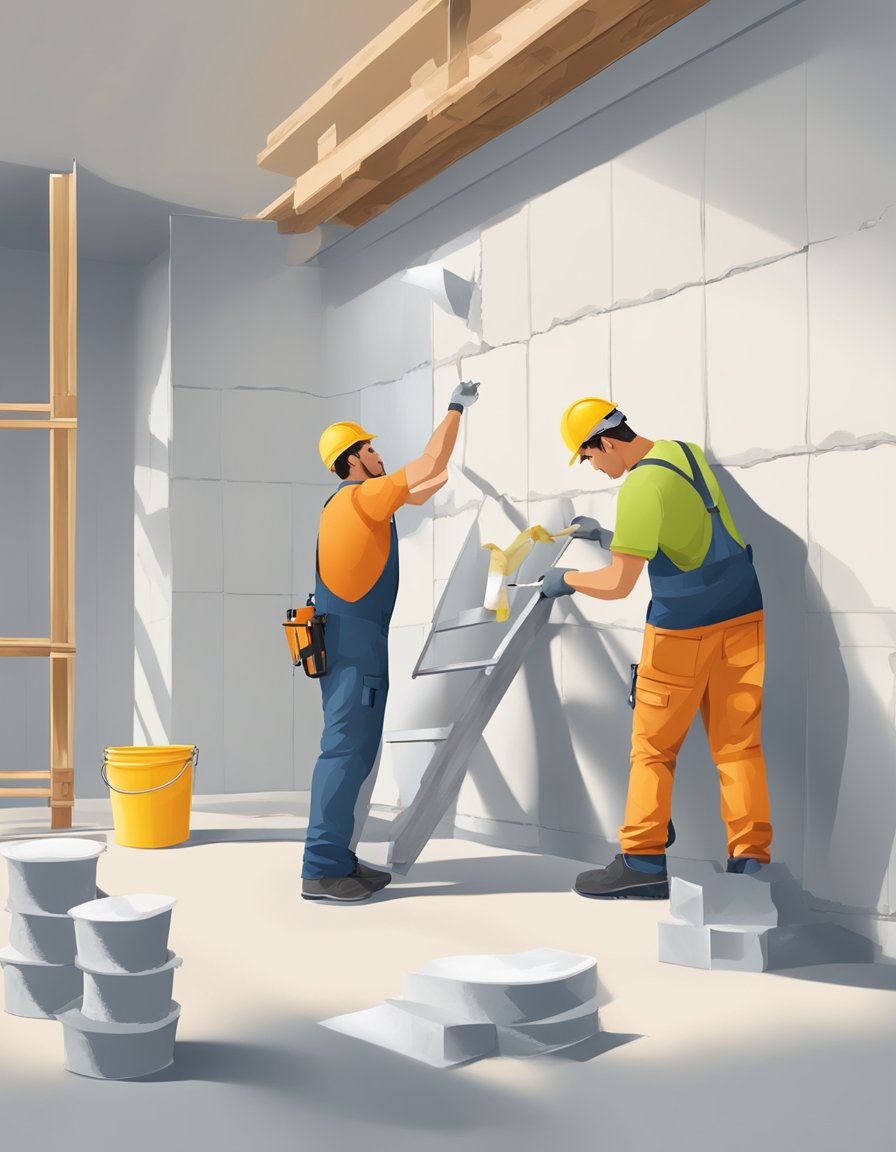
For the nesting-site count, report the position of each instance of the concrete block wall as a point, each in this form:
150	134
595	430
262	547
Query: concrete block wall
713	252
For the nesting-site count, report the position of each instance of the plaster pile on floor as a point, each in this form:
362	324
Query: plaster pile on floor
462	1008
719	921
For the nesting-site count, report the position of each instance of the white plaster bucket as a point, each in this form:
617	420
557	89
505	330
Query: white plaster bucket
123	933
33	988
117	1051
129	997
46	936
51	875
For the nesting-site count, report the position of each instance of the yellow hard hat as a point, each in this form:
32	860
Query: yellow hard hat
584	419
335	439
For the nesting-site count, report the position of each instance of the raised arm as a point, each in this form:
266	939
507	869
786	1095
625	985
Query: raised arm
438	451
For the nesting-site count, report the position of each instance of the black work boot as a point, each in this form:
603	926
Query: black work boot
748	865
345	889
620	881
372	877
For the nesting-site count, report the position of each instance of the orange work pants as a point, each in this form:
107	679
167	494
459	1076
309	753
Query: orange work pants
718	669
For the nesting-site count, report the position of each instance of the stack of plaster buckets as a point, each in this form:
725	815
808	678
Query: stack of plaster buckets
151	790
102	967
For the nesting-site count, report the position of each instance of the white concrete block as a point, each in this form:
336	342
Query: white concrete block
258	699
376	335
307	503
264	434
241	318
755	173
719	898
197	690
549	1035
415	551
196	535
257	538
456	335
196	433
437	1038
449	535
851	91
505	280
565	364
497	432
658	367
401	413
779	488
681	943
849	502
852	293
657	212
570	248
851	793
520	988
758	380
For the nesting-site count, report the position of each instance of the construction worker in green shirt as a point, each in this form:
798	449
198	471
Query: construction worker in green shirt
703	647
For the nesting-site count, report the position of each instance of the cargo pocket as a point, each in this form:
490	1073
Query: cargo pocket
675	655
648	692
740	645
370	685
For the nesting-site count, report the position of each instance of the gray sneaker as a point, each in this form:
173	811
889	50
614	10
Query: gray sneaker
620	882
372	877
345	889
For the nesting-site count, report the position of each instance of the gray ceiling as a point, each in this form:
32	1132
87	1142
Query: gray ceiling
163	105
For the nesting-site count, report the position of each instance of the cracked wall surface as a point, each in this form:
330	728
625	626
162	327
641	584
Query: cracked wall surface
714	252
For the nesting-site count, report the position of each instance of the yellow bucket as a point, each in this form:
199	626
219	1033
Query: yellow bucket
152	792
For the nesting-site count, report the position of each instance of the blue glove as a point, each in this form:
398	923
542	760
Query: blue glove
463	396
553	583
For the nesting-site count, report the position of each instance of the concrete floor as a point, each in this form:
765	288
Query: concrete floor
796	1059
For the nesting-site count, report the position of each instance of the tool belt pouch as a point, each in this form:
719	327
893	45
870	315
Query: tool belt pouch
304	630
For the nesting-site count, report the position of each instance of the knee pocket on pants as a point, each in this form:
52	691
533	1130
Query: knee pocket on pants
370	686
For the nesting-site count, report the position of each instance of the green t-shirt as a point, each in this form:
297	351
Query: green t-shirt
658	509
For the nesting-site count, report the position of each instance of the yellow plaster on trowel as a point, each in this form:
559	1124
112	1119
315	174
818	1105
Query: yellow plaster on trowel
503	563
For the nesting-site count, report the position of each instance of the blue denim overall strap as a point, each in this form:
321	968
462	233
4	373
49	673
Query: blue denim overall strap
376	605
723	587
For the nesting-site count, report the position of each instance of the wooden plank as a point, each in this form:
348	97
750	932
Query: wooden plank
623	38
53	422
530	49
373	78
24	407
24	775
63	295
62	722
26	792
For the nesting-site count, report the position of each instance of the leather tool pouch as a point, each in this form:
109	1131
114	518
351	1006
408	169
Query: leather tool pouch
305	635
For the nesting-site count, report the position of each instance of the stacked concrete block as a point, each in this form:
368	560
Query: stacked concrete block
46	877
125	1023
719	921
461	1008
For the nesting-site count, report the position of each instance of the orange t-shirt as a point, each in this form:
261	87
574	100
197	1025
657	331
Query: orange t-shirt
355	534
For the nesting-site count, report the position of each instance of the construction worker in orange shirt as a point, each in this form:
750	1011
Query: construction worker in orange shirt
703	644
357	583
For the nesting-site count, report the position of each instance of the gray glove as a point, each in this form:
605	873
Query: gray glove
465	394
587	528
553	583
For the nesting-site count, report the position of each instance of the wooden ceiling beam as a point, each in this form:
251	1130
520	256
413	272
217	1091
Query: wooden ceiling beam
538	53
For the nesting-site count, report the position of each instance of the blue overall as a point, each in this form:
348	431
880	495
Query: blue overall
354	693
723	587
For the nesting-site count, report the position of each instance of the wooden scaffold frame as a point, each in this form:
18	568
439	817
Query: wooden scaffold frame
59	417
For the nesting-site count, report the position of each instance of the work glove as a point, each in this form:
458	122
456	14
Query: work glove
465	394
553	583
587	528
